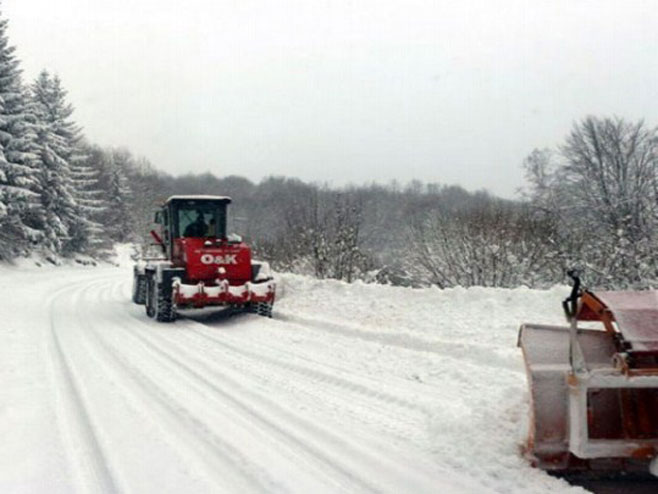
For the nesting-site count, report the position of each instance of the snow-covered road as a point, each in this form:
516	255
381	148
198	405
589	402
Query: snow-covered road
350	388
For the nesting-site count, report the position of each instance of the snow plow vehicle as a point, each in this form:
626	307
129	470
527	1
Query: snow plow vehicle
201	266
594	389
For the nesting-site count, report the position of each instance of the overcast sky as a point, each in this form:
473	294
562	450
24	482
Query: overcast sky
343	90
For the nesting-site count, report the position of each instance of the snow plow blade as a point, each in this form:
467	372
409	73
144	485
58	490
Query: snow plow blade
200	295
594	392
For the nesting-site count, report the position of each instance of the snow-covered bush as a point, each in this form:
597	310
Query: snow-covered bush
496	245
600	189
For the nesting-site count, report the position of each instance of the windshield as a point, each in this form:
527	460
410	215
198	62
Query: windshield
200	219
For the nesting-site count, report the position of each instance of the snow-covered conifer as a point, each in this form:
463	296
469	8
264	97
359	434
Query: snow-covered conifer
89	197
118	217
18	199
53	147
86	231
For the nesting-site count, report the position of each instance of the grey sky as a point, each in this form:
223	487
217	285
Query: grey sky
343	90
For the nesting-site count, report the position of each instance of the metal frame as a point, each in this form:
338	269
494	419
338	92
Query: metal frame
620	375
580	443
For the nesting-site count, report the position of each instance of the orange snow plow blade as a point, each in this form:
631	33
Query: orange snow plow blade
594	391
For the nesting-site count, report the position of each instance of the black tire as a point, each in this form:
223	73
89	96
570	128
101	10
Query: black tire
139	289
151	300
260	308
159	303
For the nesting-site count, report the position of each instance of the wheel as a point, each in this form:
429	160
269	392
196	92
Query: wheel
151	299
159	304
139	289
261	308
165	310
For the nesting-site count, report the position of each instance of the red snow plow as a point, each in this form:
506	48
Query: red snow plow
594	390
201	265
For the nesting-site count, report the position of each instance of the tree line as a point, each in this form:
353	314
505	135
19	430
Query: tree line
591	202
59	194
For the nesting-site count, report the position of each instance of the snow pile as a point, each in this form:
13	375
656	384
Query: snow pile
456	349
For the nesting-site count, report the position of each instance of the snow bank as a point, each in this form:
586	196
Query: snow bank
121	255
456	347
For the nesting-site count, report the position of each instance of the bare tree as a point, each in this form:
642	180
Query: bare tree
602	189
495	245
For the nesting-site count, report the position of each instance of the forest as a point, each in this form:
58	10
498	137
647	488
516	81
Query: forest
590	203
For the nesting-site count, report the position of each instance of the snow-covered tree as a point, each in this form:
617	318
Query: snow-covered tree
68	184
62	223
118	219
496	244
601	188
18	199
147	193
322	234
89	196
87	232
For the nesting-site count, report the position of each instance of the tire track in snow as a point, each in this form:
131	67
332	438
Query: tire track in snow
327	384
479	354
291	427
369	404
423	402
328	374
395	414
93	472
227	394
221	459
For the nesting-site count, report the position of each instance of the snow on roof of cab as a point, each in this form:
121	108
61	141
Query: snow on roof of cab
200	198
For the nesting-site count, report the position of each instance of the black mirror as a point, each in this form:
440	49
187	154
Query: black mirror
158	218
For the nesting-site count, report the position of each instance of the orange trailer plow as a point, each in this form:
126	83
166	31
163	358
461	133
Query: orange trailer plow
594	390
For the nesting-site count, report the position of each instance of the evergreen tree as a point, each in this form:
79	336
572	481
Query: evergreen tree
18	198
89	196
54	147
85	231
118	218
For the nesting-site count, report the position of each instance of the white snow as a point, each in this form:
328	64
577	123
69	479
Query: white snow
199	198
125	255
349	388
653	467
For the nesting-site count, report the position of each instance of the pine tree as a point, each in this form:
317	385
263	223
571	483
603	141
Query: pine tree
18	198
118	218
54	132
85	231
89	197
